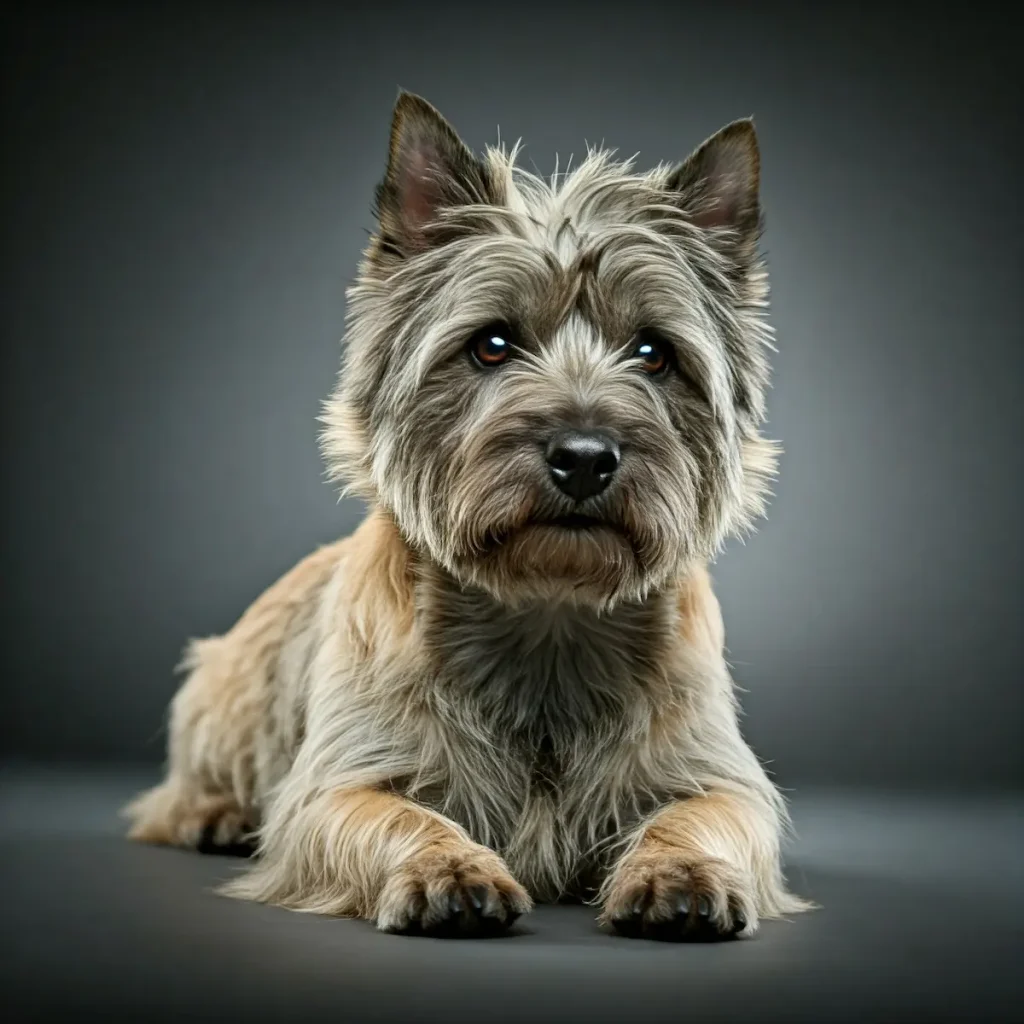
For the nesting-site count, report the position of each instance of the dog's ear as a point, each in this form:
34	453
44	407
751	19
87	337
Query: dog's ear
429	168
719	187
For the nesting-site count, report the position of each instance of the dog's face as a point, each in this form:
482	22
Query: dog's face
556	387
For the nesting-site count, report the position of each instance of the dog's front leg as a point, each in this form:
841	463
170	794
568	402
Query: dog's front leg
702	868
367	853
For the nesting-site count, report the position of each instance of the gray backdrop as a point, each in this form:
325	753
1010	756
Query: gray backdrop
187	193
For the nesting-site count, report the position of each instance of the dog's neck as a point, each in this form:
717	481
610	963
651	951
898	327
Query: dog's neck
544	668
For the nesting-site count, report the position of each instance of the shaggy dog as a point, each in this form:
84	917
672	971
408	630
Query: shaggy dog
509	683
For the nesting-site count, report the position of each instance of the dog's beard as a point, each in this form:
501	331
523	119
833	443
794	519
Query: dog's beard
536	549
592	565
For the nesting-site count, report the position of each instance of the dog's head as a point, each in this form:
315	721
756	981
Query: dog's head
556	387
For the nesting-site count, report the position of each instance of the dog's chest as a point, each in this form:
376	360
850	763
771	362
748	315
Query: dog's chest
552	673
542	717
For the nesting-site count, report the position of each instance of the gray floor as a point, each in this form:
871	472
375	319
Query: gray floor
922	921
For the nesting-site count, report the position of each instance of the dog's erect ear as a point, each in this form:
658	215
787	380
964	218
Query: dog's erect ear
429	168
719	186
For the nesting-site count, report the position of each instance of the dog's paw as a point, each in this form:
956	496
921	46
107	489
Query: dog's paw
451	892
676	898
210	823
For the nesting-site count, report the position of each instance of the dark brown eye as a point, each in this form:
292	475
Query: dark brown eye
652	353
492	346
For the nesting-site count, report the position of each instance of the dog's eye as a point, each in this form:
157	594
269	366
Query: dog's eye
651	352
492	346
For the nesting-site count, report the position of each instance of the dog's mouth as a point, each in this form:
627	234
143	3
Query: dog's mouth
576	523
573	548
573	523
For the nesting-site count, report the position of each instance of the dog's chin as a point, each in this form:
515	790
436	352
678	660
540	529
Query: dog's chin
573	558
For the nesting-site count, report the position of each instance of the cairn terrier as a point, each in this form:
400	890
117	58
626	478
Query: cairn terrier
509	683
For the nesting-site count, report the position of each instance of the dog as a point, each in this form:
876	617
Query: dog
508	684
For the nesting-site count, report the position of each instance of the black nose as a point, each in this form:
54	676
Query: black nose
582	462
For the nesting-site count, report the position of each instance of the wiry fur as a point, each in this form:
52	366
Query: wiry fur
464	706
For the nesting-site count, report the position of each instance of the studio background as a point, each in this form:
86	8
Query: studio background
187	192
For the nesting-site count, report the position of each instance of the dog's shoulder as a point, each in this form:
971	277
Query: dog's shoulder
700	615
374	593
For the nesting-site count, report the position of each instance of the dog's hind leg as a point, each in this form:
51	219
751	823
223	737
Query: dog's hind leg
173	814
206	799
236	721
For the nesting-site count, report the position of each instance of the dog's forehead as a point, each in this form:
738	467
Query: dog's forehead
563	214
577	263
590	240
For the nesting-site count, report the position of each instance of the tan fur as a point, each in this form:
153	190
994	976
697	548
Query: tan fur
232	731
700	615
715	847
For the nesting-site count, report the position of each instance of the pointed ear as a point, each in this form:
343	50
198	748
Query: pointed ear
719	185
429	168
